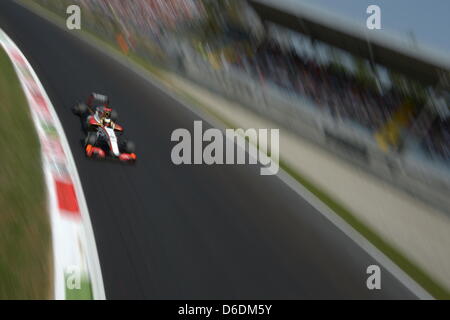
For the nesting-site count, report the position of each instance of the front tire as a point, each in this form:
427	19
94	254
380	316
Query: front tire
129	147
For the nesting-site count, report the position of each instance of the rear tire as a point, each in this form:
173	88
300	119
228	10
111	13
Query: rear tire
114	115
91	139
80	109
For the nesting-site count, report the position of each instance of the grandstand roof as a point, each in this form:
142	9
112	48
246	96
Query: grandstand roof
422	64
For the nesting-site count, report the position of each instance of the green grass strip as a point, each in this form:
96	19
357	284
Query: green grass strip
25	241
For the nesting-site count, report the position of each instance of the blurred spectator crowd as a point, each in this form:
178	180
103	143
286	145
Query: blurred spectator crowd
437	139
148	16
337	92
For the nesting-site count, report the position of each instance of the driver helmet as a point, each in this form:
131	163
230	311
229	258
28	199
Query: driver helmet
107	122
107	117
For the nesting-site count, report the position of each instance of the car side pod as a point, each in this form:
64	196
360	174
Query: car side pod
94	152
127	157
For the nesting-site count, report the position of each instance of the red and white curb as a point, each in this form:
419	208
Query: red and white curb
74	249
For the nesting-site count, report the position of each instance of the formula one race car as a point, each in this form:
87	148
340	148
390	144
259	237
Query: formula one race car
104	137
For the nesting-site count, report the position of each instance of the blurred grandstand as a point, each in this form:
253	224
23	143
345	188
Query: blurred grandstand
367	91
396	97
147	16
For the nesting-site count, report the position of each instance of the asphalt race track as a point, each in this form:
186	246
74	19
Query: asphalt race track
186	232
